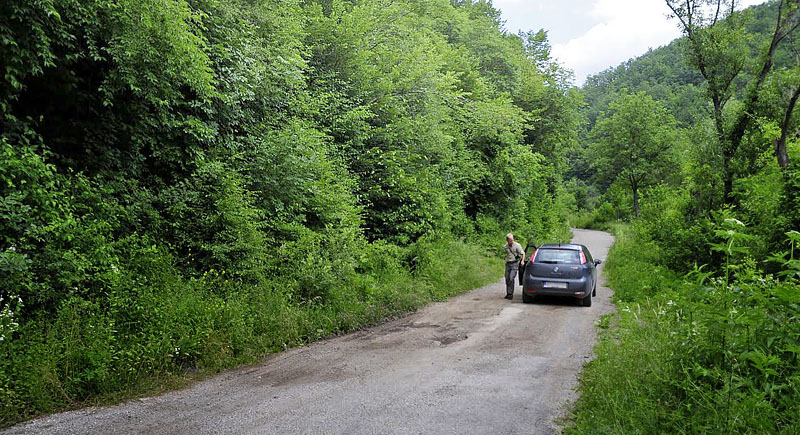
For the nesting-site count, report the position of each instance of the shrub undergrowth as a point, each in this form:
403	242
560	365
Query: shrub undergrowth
700	353
138	340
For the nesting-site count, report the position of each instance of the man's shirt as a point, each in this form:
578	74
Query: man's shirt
513	251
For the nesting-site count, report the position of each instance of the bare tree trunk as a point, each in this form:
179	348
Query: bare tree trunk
727	149
781	154
727	176
780	144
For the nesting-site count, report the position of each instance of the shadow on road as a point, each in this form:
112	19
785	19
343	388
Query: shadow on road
551	300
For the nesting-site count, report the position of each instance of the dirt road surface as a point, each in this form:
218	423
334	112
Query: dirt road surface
477	364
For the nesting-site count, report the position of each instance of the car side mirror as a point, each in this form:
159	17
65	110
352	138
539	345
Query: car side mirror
597	262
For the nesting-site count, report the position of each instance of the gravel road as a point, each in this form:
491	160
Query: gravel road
477	364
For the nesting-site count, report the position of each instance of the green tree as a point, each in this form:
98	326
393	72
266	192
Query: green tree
634	143
718	45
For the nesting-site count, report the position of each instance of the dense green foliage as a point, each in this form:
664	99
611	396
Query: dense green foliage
706	277
634	143
694	354
690	179
189	184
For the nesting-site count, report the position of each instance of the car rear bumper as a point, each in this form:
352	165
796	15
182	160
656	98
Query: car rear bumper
552	292
576	288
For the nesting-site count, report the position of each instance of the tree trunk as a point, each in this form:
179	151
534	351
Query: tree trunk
727	151
780	143
782	154
727	177
635	189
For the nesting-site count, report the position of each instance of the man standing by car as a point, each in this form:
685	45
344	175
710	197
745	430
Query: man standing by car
514	257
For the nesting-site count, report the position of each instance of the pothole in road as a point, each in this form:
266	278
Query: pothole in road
445	340
422	325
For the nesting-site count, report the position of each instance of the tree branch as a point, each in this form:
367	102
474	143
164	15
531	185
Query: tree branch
745	117
716	14
686	27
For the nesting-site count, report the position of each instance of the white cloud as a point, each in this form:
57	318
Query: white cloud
626	28
623	29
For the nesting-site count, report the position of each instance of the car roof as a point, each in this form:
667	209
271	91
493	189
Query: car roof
569	246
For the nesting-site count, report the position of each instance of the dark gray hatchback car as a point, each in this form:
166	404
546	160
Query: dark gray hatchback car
561	270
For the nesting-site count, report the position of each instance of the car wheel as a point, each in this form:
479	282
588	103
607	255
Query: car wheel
527	299
587	301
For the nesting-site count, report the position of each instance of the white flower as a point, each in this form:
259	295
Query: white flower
114	268
670	303
735	222
13	249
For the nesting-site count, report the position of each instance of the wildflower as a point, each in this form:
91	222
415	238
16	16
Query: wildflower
670	303
114	268
734	221
13	249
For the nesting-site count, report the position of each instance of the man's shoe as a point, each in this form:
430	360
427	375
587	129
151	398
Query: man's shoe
509	297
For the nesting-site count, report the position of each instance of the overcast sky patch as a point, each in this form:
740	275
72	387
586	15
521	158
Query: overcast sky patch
589	36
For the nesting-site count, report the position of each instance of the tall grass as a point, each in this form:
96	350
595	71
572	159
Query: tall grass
705	353
144	340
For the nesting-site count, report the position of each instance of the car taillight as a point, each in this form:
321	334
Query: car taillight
533	255
583	258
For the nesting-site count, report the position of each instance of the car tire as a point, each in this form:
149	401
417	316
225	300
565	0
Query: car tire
587	301
527	299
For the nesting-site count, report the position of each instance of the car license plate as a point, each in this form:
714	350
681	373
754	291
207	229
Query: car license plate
550	284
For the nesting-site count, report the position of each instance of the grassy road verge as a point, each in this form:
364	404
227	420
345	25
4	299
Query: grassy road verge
187	332
705	353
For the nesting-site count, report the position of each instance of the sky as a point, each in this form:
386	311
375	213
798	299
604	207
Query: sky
588	36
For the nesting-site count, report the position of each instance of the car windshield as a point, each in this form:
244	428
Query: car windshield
558	256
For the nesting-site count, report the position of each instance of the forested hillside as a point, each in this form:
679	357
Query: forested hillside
190	184
691	156
701	161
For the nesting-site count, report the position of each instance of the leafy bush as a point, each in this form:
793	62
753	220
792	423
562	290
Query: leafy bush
705	353
600	218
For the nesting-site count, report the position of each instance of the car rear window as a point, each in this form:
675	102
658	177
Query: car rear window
557	256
